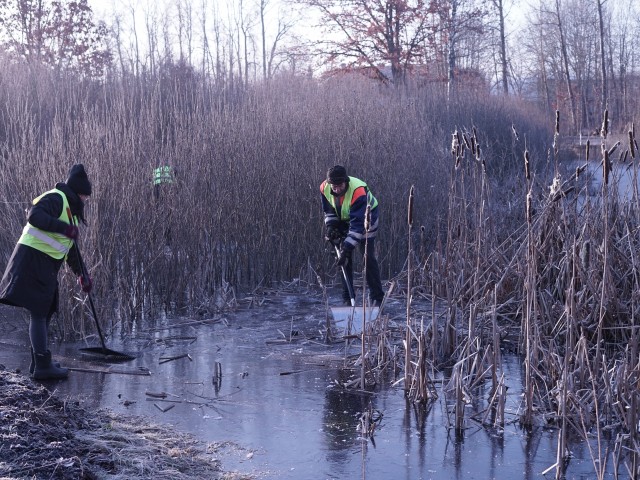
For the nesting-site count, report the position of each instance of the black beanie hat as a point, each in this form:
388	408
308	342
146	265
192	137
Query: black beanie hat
337	175
78	180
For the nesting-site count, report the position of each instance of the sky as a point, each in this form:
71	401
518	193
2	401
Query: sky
105	10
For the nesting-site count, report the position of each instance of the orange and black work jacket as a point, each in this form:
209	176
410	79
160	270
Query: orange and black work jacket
348	211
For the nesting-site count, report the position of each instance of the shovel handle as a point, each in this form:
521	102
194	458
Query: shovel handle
85	272
352	296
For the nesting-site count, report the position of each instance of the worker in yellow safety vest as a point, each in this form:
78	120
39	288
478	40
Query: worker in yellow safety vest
30	279
163	175
344	202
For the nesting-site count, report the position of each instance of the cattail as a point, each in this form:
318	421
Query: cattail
557	131
478	152
631	145
579	170
527	171
606	167
410	209
613	149
588	148
605	125
623	156
584	255
529	214
454	144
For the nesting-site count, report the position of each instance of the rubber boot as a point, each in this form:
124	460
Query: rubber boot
46	370
32	365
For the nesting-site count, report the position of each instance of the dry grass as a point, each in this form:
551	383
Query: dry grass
517	249
245	210
564	287
43	437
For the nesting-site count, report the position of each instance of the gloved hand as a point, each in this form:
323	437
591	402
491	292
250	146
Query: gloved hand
85	282
344	258
333	235
71	231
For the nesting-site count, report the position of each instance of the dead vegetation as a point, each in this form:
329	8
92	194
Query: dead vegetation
562	290
42	436
541	262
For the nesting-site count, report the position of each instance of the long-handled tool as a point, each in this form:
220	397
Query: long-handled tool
103	351
352	295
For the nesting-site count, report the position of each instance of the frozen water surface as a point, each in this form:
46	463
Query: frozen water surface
237	378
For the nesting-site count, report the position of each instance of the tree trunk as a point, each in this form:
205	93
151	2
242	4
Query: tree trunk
503	49
603	65
565	63
263	6
451	75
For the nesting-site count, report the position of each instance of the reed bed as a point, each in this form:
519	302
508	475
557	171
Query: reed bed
244	212
563	287
519	249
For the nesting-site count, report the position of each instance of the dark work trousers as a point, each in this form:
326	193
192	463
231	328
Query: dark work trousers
376	294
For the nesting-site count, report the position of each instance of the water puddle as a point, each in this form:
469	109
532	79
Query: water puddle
262	385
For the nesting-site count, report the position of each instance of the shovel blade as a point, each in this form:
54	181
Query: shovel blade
352	318
106	354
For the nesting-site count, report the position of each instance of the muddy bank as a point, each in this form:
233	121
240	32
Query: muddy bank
42	436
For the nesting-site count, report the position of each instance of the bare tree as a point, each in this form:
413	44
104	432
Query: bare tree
565	64
282	29
61	35
184	11
151	24
452	58
603	64
263	35
499	6
623	60
244	38
368	35
136	62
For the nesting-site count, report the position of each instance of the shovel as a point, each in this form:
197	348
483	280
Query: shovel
351	317
352	295
102	352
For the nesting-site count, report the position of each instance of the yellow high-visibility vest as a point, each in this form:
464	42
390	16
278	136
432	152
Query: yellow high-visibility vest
354	183
53	244
163	174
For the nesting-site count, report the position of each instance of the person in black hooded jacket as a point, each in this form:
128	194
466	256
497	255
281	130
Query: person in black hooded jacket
30	279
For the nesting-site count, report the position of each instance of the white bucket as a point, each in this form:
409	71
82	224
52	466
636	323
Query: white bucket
351	318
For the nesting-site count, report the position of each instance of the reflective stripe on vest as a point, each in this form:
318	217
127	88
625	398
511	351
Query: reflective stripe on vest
162	175
354	183
53	244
